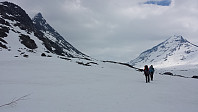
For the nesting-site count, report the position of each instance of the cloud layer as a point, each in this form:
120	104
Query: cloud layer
117	29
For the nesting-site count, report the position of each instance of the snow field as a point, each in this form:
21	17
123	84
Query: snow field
57	85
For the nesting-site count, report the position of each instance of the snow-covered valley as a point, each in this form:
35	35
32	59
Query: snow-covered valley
41	72
55	85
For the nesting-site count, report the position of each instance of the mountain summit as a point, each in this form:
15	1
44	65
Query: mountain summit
174	51
50	33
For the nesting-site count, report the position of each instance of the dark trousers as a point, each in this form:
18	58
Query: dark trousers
151	74
147	78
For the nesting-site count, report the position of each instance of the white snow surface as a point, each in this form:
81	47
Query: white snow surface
55	85
183	70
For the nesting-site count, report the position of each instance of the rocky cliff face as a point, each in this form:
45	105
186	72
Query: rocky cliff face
12	19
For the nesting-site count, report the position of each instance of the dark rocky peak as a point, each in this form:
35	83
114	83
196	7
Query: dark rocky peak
37	16
179	39
16	14
50	33
41	24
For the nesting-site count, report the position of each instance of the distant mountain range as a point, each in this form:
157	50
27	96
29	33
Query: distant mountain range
23	36
173	52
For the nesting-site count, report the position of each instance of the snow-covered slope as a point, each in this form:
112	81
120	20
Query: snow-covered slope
175	51
53	85
17	36
20	36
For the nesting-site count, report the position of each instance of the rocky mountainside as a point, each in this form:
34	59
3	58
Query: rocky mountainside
174	51
50	33
22	36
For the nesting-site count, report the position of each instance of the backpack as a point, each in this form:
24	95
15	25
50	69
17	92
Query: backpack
146	70
151	69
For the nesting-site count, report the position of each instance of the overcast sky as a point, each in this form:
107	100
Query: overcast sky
117	30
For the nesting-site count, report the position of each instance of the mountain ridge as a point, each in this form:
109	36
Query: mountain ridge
49	32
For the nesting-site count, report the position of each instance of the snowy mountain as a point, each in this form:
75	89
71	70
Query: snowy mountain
21	36
41	24
173	52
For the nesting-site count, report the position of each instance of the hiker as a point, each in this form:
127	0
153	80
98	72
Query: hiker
151	72
146	73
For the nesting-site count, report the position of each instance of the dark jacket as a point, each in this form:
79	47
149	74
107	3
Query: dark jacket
146	70
151	69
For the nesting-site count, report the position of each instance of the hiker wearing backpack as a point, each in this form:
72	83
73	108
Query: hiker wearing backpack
146	73
151	72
